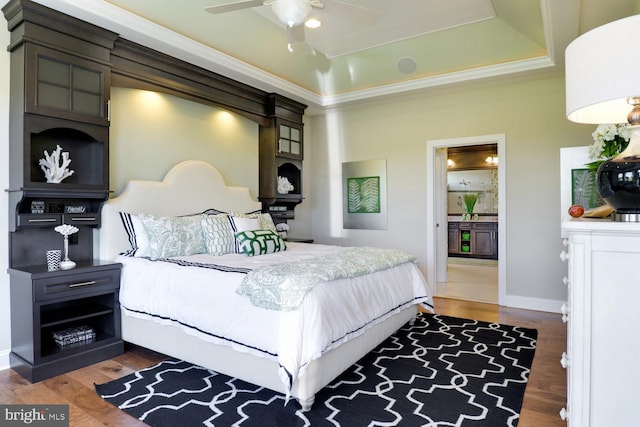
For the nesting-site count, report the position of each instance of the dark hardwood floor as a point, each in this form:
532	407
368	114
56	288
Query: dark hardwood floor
546	392
545	395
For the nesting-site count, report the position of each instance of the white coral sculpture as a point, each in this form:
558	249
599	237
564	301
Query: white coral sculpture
56	169
284	186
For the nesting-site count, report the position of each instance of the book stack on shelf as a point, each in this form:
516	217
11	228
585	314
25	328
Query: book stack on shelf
74	337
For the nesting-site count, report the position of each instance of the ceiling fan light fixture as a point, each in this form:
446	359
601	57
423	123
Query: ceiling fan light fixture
291	12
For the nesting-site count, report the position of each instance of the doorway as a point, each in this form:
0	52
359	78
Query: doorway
438	266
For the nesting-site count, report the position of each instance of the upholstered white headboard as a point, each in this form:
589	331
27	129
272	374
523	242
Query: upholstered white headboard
190	187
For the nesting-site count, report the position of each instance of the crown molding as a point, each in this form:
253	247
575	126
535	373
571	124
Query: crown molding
136	29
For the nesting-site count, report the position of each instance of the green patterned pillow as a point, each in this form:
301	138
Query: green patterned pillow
260	242
218	234
173	236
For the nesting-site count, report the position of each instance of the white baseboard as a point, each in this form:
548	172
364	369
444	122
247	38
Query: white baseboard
4	359
537	304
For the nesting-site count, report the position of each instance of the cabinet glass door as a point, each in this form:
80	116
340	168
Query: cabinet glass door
53	84
67	87
289	141
296	143
86	92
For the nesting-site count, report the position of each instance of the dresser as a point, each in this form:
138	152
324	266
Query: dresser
603	320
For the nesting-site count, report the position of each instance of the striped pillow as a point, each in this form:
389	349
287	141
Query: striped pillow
137	235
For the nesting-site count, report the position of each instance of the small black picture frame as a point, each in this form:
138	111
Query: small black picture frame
37	206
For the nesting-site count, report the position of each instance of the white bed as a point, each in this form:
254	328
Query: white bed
193	187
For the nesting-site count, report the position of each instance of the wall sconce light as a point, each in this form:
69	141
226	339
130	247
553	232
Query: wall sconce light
450	163
602	87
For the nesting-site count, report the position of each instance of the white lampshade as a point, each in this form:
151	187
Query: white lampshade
602	69
291	12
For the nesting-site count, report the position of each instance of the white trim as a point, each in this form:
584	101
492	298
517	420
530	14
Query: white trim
537	304
439	80
431	214
4	360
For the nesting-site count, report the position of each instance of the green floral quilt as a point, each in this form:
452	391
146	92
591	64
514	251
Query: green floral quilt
283	286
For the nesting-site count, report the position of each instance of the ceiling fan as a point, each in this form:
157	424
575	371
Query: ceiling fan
294	13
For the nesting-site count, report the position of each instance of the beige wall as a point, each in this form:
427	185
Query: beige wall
151	132
530	114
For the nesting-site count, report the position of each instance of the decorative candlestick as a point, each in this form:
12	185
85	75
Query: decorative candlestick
66	230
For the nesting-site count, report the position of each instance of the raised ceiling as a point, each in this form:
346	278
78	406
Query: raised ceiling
410	45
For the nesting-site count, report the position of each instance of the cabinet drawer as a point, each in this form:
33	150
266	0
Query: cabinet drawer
82	219
52	220
39	220
485	226
76	284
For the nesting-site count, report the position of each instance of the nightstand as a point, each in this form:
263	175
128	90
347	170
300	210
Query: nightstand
44	303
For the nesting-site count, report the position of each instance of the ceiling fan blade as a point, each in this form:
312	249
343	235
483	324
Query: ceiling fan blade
297	34
351	11
230	7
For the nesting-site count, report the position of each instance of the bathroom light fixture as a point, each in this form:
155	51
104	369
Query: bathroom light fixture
493	160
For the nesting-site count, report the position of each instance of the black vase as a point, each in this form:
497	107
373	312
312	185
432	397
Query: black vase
618	182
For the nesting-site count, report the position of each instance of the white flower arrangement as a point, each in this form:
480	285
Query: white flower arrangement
55	168
66	229
609	140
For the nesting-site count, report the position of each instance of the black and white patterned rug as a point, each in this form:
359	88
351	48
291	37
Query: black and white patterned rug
441	371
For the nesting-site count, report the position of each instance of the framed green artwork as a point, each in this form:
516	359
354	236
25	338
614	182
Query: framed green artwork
364	194
584	190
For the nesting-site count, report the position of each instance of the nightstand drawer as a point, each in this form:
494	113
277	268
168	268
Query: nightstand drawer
80	219
39	220
74	284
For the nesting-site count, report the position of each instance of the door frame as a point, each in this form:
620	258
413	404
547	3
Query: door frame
436	217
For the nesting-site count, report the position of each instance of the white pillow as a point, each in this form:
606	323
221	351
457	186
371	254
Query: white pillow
137	235
265	219
240	223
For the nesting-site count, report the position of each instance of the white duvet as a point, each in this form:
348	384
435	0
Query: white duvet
205	303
